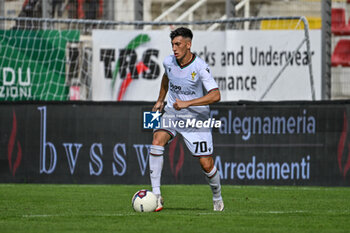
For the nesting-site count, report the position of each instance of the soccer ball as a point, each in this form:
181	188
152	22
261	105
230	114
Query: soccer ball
144	201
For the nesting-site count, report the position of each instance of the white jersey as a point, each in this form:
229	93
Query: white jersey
188	82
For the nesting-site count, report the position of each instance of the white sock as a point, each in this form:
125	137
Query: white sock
213	178
155	167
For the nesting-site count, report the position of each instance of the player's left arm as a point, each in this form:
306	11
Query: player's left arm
212	96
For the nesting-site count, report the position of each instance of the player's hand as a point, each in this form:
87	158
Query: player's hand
158	106
179	104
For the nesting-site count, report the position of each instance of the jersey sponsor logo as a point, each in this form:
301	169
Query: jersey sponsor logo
174	88
178	90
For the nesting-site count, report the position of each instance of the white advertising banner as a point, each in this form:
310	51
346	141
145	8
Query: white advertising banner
128	65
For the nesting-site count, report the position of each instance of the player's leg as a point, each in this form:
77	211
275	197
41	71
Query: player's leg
201	145
160	139
213	179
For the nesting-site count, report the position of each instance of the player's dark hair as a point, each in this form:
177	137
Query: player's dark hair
182	31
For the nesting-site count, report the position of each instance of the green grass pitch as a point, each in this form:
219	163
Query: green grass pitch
188	208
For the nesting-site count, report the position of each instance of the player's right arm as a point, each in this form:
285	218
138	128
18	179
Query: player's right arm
162	94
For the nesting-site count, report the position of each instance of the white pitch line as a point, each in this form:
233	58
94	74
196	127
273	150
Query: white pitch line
66	215
39	215
288	188
263	212
305	188
299	211
208	213
282	212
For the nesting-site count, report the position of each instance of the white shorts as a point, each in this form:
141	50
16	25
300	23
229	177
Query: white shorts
199	143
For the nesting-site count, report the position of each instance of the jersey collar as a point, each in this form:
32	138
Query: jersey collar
188	63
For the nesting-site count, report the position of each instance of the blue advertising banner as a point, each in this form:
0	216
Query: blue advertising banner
277	143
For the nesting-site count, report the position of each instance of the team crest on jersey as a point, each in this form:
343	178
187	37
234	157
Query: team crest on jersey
193	75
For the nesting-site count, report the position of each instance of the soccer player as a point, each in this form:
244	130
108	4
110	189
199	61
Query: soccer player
191	88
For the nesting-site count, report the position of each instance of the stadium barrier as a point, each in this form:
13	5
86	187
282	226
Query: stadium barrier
270	143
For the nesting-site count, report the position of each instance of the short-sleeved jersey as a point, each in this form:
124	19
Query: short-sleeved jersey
188	82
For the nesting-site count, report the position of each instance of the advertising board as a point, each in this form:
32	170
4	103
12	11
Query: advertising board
279	143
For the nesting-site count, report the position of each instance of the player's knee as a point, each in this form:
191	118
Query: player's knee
207	168
160	138
158	142
207	164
